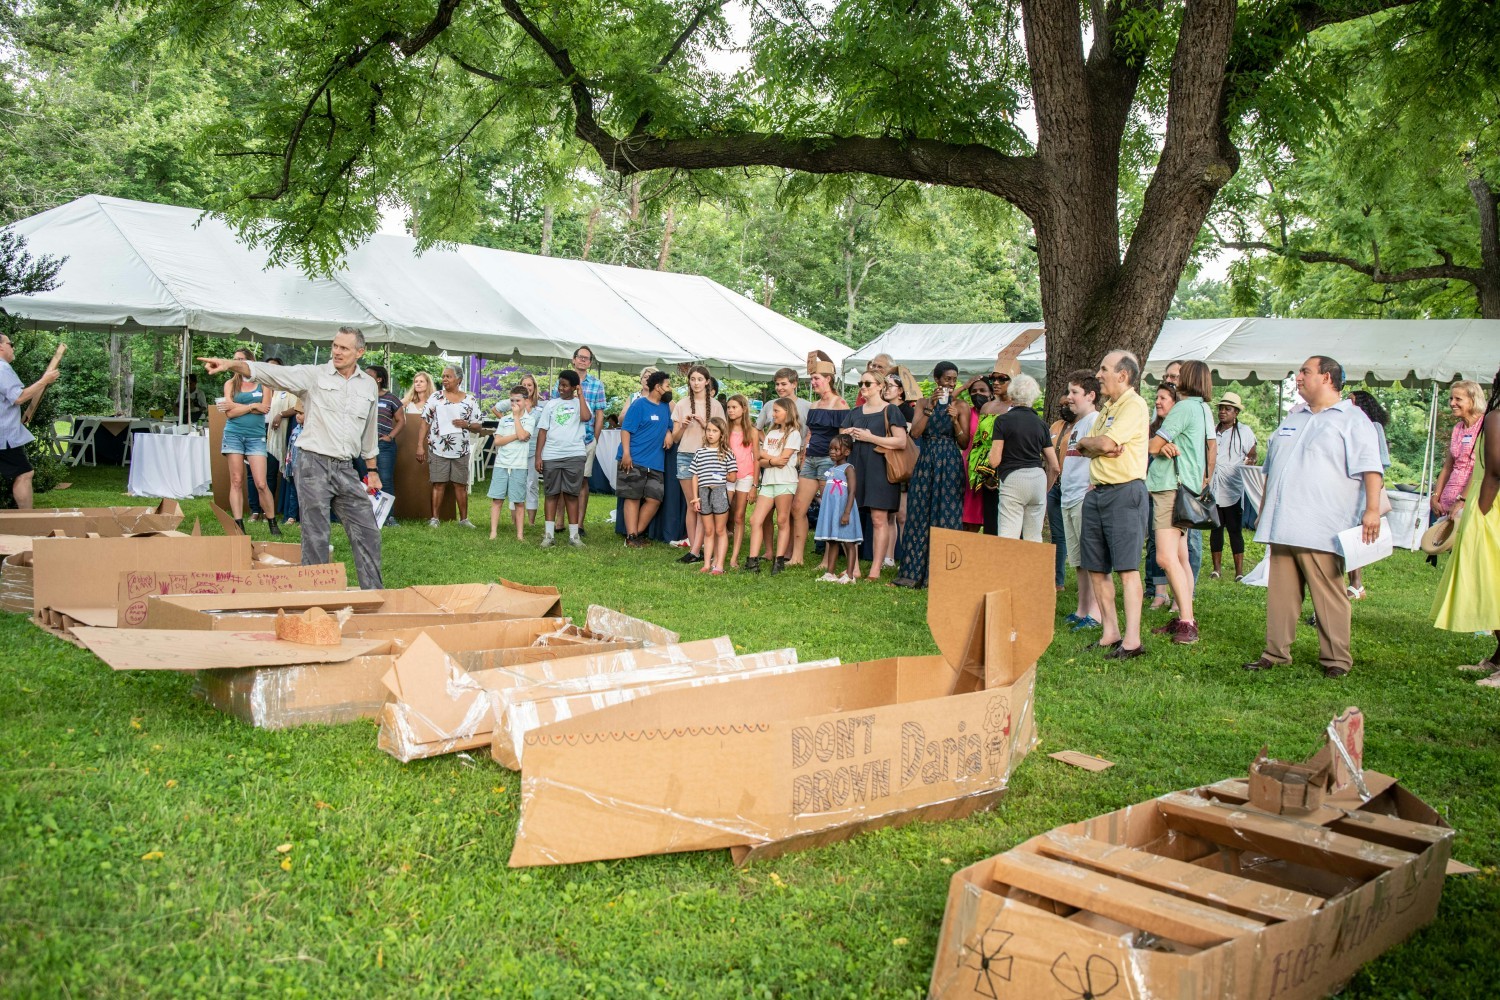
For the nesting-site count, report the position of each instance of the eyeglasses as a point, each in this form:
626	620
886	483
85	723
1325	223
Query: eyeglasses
867	385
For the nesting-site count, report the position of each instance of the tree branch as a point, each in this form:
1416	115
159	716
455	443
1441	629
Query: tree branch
506	81
687	32
408	44
1017	179
1442	272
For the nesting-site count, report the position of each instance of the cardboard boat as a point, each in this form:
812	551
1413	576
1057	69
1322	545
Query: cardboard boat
1197	894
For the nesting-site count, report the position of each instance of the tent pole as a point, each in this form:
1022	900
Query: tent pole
187	350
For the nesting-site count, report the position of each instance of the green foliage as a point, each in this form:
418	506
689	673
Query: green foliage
85	113
139	829
1373	151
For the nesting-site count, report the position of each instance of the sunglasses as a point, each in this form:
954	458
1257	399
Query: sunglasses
868	385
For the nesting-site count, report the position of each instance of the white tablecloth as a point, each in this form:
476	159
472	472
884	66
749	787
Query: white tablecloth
170	465
604	457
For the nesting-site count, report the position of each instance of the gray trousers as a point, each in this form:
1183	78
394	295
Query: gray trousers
325	484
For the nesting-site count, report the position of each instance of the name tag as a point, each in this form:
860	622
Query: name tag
655	418
1466	439
1108	422
1285	431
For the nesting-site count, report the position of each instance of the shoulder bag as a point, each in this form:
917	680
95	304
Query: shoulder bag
899	462
1193	508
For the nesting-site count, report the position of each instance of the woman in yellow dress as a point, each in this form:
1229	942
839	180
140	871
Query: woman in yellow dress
1468	599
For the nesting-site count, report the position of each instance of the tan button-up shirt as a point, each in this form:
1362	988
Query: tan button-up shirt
342	421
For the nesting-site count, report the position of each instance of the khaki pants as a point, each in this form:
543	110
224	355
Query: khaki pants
1294	571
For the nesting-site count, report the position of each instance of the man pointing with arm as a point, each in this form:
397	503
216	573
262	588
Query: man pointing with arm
342	423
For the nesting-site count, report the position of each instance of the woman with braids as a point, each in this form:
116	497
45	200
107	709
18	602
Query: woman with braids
1467	598
935	497
982	479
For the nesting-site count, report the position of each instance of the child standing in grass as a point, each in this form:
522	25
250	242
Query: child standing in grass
778	482
512	446
712	470
838	518
743	440
560	457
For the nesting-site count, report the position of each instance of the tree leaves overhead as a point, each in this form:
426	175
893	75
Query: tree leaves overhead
1386	174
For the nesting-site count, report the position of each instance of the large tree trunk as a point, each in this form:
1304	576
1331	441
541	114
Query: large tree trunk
1093	300
1487	200
548	214
668	228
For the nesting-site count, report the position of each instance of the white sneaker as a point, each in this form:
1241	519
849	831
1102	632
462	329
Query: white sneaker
432	522
548	541
577	543
681	543
888	564
830	578
466	523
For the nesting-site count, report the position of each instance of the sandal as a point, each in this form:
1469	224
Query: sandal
1482	667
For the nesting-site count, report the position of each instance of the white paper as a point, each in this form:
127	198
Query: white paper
382	503
446	414
1260	576
1356	553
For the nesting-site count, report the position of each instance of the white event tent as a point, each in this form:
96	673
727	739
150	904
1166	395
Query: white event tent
1241	350
136	266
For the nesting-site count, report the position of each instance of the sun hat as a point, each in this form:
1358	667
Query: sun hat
1231	399
1439	537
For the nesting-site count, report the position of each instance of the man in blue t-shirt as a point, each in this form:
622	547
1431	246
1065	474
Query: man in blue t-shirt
645	436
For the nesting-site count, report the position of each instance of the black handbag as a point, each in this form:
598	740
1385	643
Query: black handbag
1192	509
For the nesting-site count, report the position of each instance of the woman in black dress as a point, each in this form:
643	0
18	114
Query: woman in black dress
876	423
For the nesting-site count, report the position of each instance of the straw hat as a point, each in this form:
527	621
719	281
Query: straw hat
1439	537
1231	399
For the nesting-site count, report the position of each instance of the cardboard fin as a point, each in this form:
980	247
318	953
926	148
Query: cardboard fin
225	521
1156	912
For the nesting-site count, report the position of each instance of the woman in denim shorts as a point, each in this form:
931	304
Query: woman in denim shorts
244	407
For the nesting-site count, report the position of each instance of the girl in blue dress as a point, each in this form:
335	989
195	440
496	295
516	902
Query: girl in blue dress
838	517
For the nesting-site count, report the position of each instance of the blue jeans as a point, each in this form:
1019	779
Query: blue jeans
286	501
385	467
1055	526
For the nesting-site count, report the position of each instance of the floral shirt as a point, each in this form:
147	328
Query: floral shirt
440	414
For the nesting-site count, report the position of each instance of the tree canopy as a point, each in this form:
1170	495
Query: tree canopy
1396	183
404	100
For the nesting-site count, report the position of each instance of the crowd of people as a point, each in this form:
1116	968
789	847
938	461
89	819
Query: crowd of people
1128	487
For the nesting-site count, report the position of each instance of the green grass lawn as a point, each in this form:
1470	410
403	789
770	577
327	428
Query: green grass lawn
139	830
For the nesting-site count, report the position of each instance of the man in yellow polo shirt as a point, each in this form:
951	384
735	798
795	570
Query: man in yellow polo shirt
1116	507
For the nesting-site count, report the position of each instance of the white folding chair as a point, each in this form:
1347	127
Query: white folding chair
46	438
78	443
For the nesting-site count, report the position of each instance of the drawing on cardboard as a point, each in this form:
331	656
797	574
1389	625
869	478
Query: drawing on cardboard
985	959
1097	977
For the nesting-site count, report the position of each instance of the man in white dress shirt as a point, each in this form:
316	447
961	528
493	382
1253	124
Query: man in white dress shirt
1323	476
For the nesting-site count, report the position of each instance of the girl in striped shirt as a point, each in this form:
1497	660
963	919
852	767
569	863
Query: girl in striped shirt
712	470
